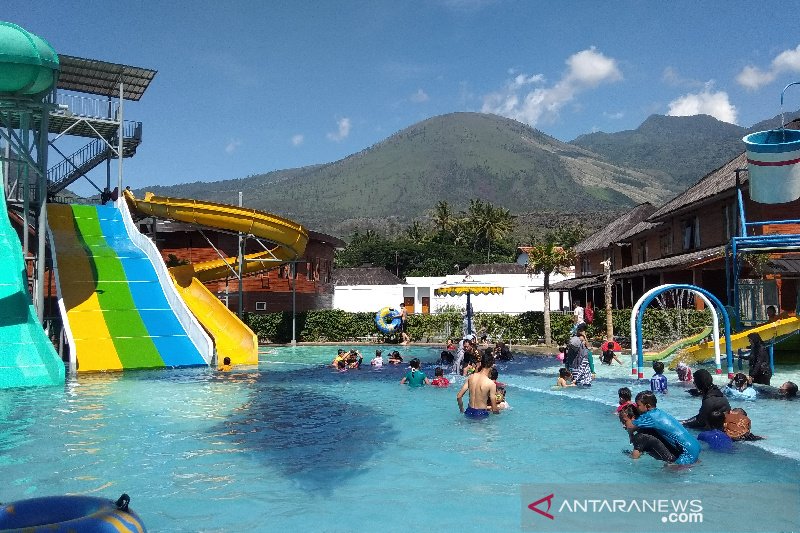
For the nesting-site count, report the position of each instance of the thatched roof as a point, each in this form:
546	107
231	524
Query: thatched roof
365	276
494	268
611	233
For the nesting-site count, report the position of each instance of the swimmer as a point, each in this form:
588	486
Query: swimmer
715	437
684	372
624	394
354	359
609	354
739	388
658	383
395	358
341	366
439	380
482	391
377	361
415	377
340	356
501	389
667	427
736	425
646	440
226	365
564	378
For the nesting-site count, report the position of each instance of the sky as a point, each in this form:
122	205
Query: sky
247	87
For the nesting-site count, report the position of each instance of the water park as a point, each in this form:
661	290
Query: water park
115	415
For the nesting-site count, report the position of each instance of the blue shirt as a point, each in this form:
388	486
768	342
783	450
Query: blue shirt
673	432
658	383
717	440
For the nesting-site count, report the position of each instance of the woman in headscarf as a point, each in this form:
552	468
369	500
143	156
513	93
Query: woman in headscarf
713	400
760	370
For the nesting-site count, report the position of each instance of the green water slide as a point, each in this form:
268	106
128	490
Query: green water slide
27	357
673	348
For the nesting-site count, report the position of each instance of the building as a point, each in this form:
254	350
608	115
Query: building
303	285
688	239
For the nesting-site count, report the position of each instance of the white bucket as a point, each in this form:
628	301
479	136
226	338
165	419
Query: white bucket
773	160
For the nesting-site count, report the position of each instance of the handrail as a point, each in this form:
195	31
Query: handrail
83	106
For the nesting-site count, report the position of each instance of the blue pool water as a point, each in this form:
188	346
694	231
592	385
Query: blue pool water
296	446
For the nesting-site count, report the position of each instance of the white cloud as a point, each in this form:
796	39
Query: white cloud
586	70
614	116
342	132
752	77
232	145
420	96
705	102
298	139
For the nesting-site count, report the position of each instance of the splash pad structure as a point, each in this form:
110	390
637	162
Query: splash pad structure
716	307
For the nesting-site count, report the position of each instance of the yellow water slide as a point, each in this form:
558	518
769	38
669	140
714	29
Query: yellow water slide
231	336
704	351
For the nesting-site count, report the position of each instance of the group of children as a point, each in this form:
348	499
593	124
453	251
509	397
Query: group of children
352	359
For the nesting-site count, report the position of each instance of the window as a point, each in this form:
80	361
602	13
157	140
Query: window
585	268
641	252
309	271
691	233
729	220
666	244
261	306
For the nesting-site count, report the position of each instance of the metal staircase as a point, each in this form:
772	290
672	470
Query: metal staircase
85	159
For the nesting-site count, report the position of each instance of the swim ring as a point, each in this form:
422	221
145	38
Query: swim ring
388	320
62	514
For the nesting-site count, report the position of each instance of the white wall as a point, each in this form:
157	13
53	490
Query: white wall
516	297
367	298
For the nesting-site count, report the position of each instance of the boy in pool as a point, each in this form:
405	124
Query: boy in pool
658	383
667	427
646	440
226	365
439	380
415	377
482	391
564	378
715	437
624	394
501	389
340	356
377	361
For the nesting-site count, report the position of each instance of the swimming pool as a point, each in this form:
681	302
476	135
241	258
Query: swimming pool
294	445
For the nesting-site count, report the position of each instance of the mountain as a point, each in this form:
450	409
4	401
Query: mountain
454	157
685	148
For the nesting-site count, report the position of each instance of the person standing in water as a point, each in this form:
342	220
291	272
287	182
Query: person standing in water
404	325
482	391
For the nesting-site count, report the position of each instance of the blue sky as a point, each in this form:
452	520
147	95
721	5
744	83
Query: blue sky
248	87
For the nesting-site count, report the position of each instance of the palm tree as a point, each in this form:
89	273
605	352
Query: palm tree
443	217
491	223
549	258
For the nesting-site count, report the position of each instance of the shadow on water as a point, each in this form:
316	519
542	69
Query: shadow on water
312	438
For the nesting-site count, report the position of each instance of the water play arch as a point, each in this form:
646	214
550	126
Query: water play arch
713	303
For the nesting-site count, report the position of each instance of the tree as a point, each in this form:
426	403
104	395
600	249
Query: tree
549	258
443	218
489	223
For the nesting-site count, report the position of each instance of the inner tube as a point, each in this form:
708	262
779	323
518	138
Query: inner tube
388	320
62	514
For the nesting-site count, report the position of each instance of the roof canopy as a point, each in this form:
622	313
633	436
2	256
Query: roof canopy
101	77
468	289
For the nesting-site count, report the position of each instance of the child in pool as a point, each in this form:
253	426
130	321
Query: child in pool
564	378
684	372
377	361
439	380
715	437
658	383
395	358
624	394
341	366
500	396
226	365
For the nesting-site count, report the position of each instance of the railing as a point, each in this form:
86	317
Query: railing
62	171
83	106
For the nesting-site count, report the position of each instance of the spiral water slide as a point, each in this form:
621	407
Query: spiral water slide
231	336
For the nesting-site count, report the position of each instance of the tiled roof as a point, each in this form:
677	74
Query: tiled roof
572	283
365	276
676	261
494	268
611	233
637	229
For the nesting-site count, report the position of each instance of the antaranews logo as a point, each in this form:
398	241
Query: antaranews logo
534	506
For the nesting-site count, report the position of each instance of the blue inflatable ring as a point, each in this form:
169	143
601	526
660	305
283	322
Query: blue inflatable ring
62	514
388	320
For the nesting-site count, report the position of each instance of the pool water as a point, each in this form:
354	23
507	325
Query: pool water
294	445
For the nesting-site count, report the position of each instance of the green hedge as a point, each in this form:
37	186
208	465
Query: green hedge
334	325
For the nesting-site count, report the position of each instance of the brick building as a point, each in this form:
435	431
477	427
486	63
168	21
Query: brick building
308	280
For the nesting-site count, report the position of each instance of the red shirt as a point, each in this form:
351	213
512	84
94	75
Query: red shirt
440	382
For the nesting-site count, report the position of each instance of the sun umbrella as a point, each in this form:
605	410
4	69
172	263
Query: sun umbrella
469	287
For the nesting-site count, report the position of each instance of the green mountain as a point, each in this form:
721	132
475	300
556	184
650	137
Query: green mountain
454	157
685	148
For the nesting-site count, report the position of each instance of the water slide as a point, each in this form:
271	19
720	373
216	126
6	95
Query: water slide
27	357
232	337
768	331
677	345
119	306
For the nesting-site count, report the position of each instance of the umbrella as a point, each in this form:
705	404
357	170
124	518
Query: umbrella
469	287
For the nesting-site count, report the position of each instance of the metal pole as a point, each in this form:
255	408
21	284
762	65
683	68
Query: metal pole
119	142
42	229
294	303
241	261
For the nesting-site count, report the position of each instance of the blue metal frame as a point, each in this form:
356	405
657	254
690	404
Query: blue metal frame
694	288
